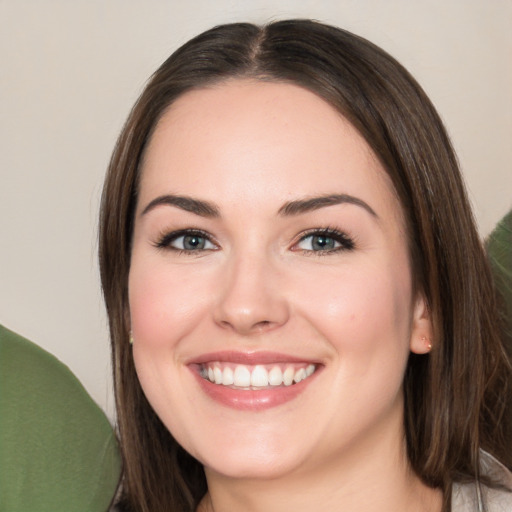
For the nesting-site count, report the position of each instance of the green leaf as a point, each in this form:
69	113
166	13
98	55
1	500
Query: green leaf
499	248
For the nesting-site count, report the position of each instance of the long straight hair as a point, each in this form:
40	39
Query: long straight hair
454	397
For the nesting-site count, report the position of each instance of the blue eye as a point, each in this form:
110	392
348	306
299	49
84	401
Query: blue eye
191	243
325	241
186	241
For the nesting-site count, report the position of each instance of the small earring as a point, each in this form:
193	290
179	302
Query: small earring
429	344
131	338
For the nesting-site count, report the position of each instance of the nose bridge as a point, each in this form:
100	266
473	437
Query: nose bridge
252	298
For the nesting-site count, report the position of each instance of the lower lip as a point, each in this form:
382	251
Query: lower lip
253	399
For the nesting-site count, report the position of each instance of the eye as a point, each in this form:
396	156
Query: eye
186	241
326	241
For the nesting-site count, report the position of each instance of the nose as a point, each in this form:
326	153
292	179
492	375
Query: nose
252	298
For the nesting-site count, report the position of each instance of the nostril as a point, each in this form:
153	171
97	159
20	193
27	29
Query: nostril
250	313
262	325
255	327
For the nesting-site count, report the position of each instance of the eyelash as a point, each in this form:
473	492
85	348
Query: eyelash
165	239
345	242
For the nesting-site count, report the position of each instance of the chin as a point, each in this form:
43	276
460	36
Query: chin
258	468
257	458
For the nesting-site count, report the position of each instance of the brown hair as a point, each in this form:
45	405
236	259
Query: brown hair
454	398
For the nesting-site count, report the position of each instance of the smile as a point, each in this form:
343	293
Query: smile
254	377
253	381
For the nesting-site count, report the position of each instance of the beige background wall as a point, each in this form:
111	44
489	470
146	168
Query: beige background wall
70	70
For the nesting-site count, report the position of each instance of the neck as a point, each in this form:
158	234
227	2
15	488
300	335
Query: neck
375	476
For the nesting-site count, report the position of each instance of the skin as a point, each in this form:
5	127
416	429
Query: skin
248	148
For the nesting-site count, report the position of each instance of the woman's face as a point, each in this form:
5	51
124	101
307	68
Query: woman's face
269	248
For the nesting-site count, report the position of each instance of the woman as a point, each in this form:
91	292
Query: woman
287	244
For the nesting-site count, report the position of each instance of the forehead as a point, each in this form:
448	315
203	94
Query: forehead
250	140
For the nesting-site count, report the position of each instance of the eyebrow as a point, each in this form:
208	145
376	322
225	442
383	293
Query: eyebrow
291	208
314	203
201	208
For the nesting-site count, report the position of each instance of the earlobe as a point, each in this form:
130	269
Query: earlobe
423	345
421	332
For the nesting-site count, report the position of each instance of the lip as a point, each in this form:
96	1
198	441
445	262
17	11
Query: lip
251	399
249	358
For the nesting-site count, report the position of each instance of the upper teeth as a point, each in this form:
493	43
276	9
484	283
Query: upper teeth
258	376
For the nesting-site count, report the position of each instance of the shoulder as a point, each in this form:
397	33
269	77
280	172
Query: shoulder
470	497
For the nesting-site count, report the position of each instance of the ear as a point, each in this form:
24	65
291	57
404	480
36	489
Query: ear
421	333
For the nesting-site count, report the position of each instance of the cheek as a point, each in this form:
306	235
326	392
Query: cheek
360	310
164	305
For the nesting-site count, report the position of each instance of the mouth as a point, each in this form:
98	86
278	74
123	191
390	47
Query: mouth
253	381
255	377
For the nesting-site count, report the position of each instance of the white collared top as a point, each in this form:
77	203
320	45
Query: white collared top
472	497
